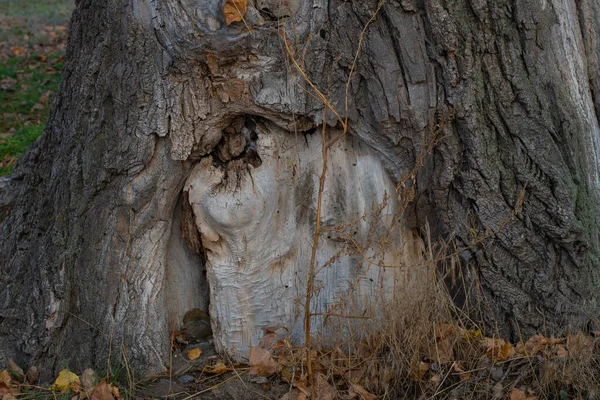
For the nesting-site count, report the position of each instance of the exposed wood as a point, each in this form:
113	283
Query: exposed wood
92	258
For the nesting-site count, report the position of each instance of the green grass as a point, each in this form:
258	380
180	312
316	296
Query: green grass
32	39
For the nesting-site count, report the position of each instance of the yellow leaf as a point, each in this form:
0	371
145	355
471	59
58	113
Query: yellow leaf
216	369
194	353
234	10
66	381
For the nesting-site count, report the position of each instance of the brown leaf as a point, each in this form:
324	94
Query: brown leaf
16	371
580	345
362	392
4	390
88	382
234	10
33	375
462	374
18	51
302	385
443	351
5	378
498	349
323	390
517	394
418	370
562	352
103	392
262	362
444	330
294	395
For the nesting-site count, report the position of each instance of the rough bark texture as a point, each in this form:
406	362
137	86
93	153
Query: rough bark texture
91	251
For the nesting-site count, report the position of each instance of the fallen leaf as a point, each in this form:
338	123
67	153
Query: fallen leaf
5	378
294	395
4	390
444	330
33	375
302	385
462	374
443	351
16	371
88	381
234	10
102	392
538	343
18	51
418	370
194	353
562	352
7	83
580	345
517	394
65	381
362	392
323	390
498	349
217	369
262	362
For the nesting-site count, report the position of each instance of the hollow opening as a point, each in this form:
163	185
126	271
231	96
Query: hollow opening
187	289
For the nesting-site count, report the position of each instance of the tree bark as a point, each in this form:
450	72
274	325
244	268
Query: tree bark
107	223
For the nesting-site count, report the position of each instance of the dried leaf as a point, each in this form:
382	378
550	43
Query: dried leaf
16	371
443	331
5	378
262	362
302	385
443	351
580	345
194	353
217	369
323	390
562	352
18	51
234	10
294	395
33	375
418	370
517	394
88	381
66	381
103	392
498	349
4	390
462	374
362	392
538	343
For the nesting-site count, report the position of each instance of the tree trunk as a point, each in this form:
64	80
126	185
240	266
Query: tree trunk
184	154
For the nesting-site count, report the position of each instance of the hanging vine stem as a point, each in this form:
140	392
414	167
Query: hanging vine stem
325	146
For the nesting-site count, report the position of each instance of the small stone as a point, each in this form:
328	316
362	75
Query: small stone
496	373
196	325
